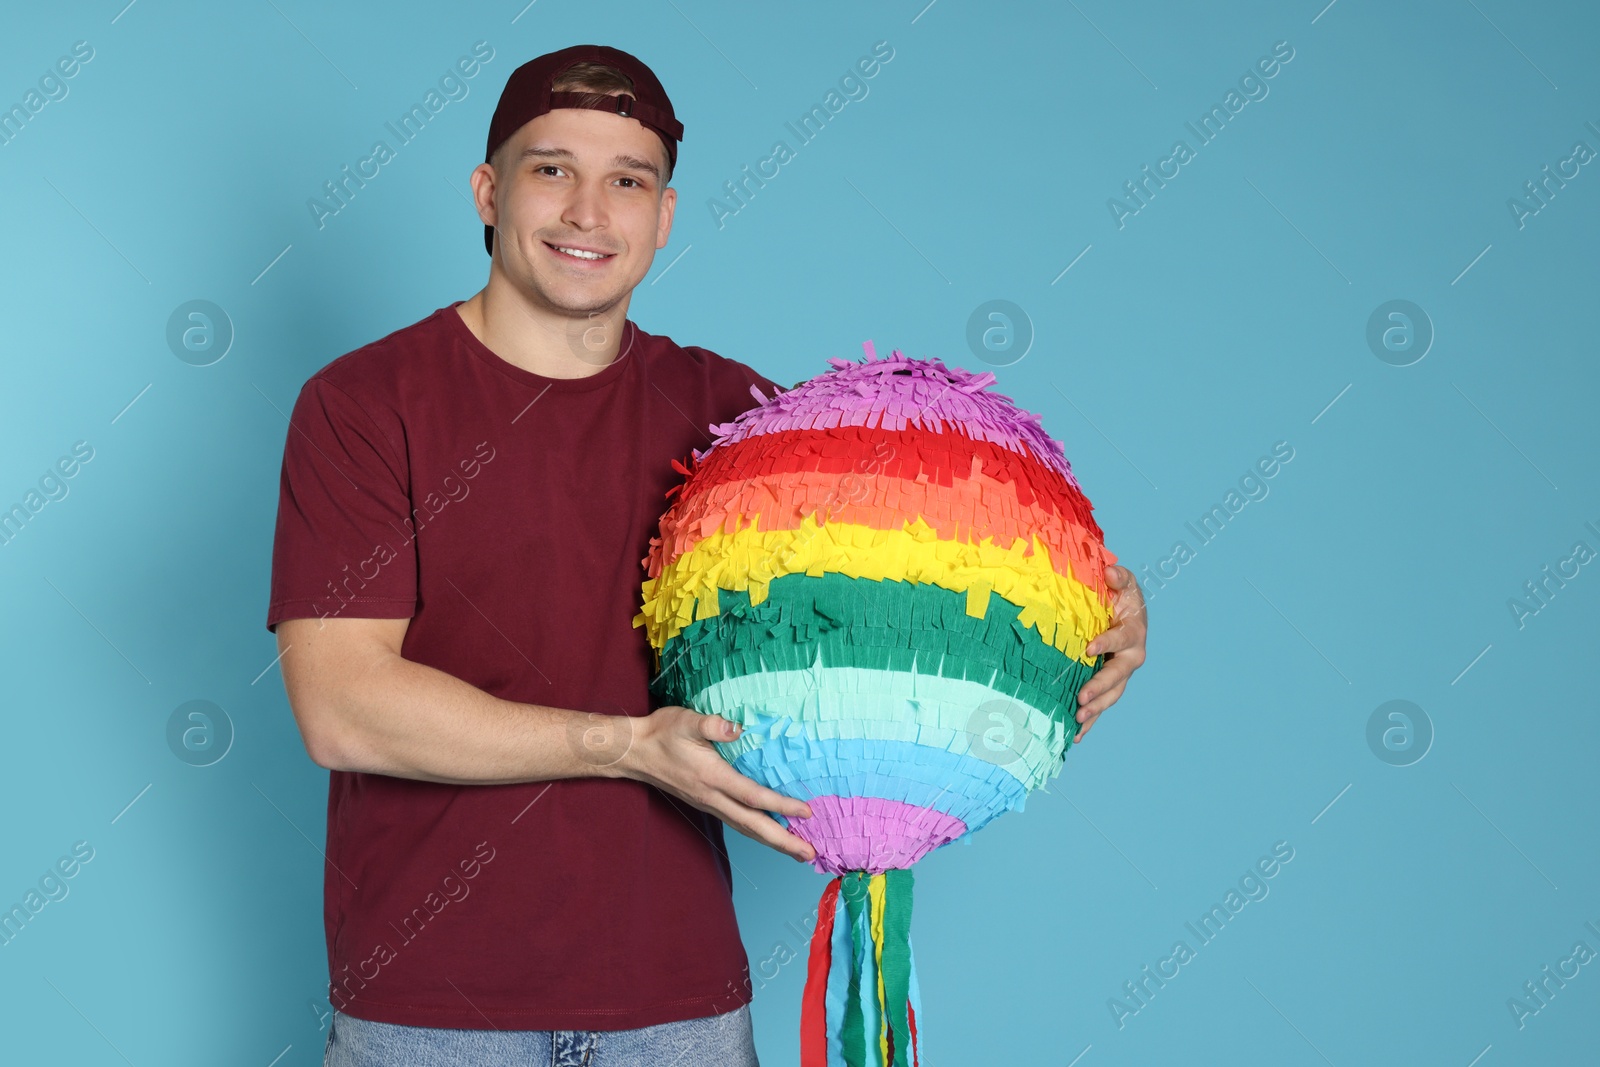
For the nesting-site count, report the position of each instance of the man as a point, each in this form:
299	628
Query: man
525	863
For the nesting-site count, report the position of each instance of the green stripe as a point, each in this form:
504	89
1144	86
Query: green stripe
853	1034
897	959
860	622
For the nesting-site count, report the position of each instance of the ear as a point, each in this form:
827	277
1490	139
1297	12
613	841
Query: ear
483	187
669	202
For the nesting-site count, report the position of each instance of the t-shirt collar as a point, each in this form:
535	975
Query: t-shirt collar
629	351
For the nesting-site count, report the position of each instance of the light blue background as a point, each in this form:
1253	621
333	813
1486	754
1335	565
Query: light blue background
1227	315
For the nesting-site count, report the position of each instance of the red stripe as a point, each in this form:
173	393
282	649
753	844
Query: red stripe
916	1046
813	1001
753	476
908	453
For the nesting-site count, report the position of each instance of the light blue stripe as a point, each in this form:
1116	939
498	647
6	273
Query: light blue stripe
968	788
916	1007
872	1017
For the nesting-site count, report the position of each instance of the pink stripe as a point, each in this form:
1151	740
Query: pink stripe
872	834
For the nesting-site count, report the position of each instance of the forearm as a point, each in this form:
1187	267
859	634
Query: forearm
403	718
361	706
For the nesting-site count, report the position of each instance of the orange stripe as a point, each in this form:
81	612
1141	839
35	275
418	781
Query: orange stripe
971	509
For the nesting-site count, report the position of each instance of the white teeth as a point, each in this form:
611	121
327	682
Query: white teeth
580	253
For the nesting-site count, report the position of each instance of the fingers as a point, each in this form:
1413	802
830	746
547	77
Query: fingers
1105	689
759	826
1128	621
1119	638
1123	645
716	728
1114	674
744	805
1122	580
752	823
1127	599
744	790
1090	714
742	802
754	795
1123	585
1101	701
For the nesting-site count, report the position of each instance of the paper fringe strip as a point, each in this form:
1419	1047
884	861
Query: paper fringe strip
897	801
861	1002
884	692
966	490
1065	611
897	628
895	393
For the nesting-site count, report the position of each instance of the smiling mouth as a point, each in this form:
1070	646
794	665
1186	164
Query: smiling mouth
581	255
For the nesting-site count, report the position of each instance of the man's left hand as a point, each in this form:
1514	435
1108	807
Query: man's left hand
1122	644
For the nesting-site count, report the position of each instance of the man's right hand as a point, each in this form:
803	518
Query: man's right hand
671	749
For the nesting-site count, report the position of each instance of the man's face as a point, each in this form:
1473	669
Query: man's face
584	180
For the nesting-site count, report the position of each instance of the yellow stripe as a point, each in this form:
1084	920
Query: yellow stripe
877	886
1066	613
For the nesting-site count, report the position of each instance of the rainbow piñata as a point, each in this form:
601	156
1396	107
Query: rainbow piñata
888	575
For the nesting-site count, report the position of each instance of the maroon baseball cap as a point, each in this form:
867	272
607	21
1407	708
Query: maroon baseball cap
527	95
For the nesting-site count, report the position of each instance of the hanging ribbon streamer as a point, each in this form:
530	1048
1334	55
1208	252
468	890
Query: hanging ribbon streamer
861	998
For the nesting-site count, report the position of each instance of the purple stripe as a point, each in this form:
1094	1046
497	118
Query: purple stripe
872	834
930	396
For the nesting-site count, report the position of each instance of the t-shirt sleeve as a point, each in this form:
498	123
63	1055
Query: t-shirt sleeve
342	545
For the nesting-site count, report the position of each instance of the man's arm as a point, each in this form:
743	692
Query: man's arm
361	706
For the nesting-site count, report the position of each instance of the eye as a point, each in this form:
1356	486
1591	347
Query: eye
635	182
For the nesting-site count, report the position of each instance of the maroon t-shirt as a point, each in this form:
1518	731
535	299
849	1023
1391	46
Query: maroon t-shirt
506	515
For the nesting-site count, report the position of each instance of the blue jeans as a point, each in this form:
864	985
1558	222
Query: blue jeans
724	1040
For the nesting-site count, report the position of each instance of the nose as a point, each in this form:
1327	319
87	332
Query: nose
585	208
